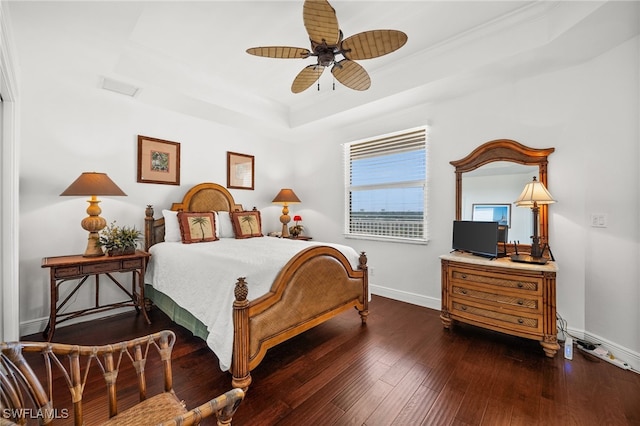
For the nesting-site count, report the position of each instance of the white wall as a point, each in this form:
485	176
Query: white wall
589	113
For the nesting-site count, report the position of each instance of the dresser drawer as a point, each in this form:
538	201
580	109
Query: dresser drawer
508	300
496	318
68	271
98	268
500	282
132	264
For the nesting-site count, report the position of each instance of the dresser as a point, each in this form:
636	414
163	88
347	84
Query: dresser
501	295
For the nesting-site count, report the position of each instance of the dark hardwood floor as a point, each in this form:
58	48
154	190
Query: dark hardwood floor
402	368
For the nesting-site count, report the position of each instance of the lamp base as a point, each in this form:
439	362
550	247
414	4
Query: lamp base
93	249
285	230
526	258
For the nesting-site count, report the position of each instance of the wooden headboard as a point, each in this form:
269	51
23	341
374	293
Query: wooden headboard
203	197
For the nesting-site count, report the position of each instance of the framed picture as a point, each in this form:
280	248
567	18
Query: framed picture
240	171
500	213
158	161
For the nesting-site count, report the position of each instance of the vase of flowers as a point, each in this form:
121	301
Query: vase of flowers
296	229
119	240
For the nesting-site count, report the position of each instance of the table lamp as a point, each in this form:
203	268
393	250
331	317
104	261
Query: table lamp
93	184
533	195
285	197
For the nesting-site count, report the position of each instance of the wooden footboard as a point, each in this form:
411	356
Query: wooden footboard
314	286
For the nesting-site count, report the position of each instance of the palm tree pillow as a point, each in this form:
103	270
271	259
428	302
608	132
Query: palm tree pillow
197	227
247	224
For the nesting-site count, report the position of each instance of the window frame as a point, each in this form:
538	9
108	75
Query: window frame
392	139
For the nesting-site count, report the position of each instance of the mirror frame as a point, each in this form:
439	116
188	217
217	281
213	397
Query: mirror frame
512	151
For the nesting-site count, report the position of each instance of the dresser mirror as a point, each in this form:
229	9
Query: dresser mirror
494	174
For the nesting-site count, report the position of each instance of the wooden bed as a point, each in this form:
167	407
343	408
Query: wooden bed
319	281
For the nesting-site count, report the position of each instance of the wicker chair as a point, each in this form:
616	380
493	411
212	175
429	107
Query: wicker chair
23	397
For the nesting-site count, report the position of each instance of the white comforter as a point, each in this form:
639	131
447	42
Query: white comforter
188	272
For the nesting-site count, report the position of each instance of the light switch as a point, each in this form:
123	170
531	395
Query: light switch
599	220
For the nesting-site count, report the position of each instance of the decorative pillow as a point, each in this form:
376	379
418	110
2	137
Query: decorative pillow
224	225
246	224
171	226
197	227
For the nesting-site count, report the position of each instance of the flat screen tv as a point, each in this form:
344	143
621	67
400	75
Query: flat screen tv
479	238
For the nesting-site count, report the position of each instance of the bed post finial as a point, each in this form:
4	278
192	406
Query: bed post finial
241	291
363	260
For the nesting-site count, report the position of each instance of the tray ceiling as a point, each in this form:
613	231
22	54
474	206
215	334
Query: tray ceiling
190	56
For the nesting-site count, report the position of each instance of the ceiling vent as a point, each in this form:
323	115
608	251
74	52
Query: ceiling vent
119	87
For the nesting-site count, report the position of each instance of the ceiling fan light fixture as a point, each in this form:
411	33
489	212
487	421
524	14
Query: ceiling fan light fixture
321	23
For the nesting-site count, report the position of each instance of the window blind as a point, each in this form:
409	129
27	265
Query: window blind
385	186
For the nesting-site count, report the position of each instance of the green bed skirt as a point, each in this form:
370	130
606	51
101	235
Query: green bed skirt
177	314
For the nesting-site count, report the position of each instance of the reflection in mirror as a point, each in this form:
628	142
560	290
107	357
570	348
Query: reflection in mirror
496	172
499	184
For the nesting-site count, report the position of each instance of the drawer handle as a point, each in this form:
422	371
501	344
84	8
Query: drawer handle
520	285
464	276
520	302
520	321
464	291
464	308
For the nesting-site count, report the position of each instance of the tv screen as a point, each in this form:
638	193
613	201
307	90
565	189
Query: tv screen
480	238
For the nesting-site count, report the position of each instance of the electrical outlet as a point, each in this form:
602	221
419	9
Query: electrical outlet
598	220
370	271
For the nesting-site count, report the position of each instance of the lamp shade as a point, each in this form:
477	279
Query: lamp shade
534	193
286	196
93	183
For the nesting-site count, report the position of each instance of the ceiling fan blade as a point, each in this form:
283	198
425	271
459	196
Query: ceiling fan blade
351	75
371	44
306	78
321	22
285	52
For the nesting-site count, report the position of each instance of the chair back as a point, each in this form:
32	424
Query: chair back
24	397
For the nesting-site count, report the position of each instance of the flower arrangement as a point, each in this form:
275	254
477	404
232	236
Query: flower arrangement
119	239
296	229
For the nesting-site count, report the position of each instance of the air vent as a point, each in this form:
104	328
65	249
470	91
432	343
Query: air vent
119	87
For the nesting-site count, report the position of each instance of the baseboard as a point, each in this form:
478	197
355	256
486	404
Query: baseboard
405	296
39	324
624	354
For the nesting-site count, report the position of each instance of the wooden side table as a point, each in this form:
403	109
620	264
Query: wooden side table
76	267
300	238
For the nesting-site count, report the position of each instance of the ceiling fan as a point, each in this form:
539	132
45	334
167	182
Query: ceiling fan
327	42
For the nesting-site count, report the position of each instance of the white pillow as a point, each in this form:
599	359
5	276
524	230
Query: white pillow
171	226
225	228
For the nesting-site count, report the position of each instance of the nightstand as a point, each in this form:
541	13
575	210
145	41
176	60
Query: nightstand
300	237
63	269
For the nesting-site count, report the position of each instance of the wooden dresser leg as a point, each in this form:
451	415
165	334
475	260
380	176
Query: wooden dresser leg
550	346
446	320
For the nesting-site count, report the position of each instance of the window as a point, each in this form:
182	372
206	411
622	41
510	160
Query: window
385	187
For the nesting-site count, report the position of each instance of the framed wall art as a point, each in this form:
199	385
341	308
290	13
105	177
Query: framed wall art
500	213
240	171
158	161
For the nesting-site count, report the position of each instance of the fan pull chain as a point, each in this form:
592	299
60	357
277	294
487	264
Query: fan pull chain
318	71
